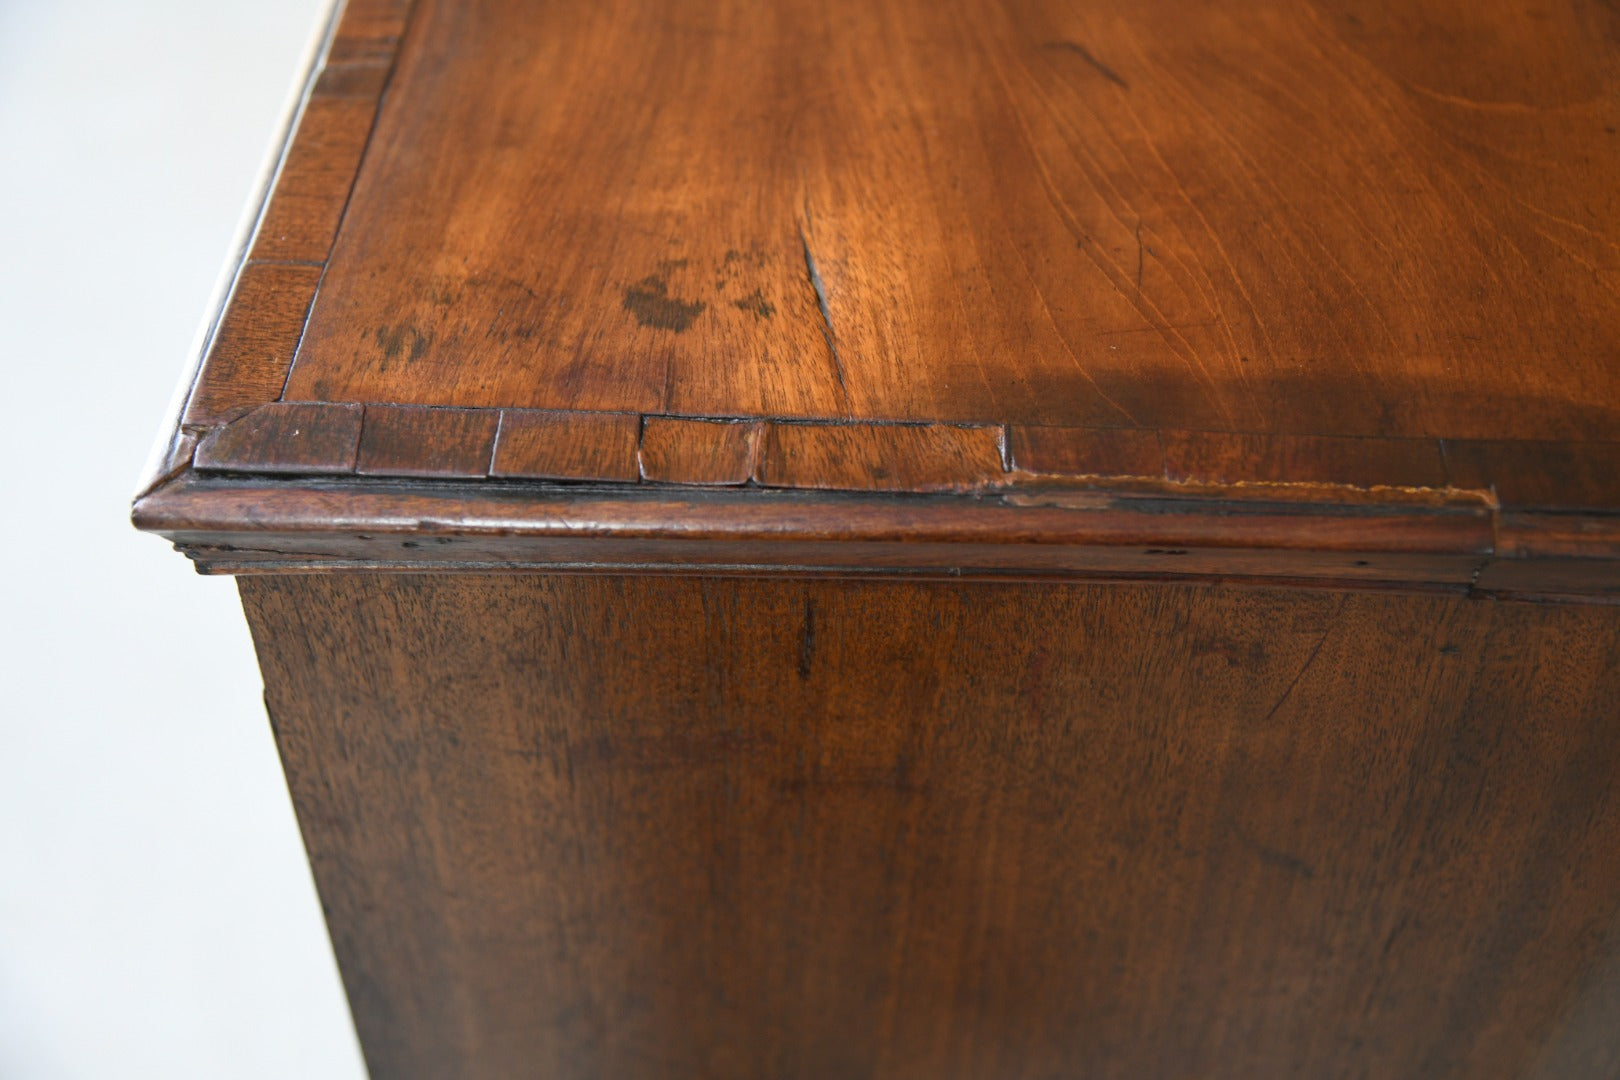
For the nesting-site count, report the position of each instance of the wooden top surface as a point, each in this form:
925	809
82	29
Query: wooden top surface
1356	247
1357	219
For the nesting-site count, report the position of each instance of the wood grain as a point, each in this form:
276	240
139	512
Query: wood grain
1118	236
567	445
286	438
881	457
1556	476
404	440
680	451
1288	217
1082	452
246	364
369	31
1220	459
659	827
302	219
867	405
258	524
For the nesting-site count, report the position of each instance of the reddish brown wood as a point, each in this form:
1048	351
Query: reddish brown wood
1220	459
246	364
364	79
935	369
881	457
286	438
639	826
302	219
1409	313
1558	476
369	30
567	445
1279	219
404	440
249	526
1546	578
1081	452
678	451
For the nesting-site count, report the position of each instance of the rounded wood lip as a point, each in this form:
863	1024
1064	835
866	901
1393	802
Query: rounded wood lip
261	469
258	524
294	485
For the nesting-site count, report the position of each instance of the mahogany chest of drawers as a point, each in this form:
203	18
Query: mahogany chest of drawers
898	538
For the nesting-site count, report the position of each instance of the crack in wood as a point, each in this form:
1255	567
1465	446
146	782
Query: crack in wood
827	331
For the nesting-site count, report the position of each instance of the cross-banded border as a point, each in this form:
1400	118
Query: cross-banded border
1544	500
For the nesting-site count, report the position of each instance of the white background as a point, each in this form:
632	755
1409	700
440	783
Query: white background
157	917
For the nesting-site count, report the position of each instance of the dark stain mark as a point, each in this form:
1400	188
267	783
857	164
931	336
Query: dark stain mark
807	642
826	313
1284	861
1271	856
649	301
502	282
732	265
1450	650
1232	650
669	266
755	304
1085	54
391	340
401	341
1165	551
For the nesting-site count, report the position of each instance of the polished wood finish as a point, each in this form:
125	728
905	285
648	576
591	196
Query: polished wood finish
881	457
287	437
408	440
601	826
1115	239
1001	538
260	328
566	445
1285	217
679	451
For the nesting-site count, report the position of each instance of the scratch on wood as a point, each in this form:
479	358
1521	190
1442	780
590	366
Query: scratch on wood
826	315
1309	660
1139	255
1097	65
